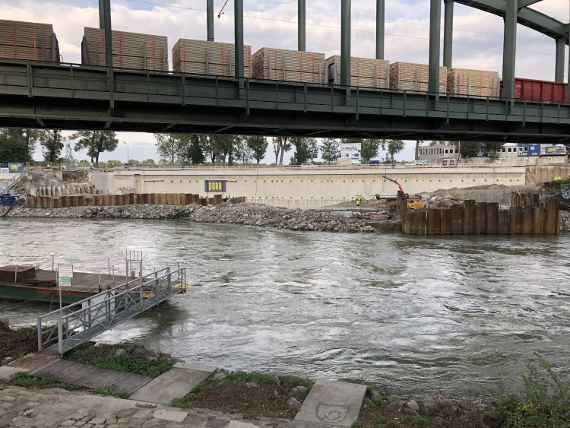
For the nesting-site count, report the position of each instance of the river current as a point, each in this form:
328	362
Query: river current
456	315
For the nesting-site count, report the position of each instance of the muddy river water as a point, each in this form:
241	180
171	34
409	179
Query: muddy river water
414	314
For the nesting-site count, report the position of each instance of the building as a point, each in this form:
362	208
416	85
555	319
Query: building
350	153
512	150
436	153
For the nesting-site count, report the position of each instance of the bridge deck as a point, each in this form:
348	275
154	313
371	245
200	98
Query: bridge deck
78	97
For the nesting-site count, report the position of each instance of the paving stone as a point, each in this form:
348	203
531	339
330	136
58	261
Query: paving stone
332	403
93	377
170	415
239	424
8	373
175	383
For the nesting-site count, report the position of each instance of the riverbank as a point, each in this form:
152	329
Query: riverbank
326	220
264	399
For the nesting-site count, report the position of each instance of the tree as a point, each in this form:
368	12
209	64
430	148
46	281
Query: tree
469	150
52	143
225	145
258	145
13	146
149	163
192	150
242	152
306	149
95	143
394	147
281	145
369	149
168	146
330	150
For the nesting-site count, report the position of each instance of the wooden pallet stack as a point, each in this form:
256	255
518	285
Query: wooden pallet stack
365	72
28	41
287	65
208	58
479	83
406	76
130	50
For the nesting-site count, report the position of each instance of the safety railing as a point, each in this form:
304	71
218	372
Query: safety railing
68	327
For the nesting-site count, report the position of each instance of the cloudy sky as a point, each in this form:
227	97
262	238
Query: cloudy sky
478	36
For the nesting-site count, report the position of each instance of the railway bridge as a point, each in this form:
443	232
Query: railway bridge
71	96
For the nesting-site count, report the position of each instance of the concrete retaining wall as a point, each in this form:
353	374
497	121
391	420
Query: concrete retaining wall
311	187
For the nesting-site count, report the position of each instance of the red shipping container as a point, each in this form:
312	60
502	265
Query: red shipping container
540	91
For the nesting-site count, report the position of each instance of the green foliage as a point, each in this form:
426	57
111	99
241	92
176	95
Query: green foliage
196	150
545	401
281	145
369	149
52	144
27	380
470	149
306	150
14	146
113	164
236	378
258	146
95	143
394	147
149	163
123	358
330	150
168	147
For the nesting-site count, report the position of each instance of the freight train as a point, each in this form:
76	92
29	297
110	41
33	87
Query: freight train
37	42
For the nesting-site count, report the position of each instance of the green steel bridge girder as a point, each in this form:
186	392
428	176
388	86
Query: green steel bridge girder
526	16
80	97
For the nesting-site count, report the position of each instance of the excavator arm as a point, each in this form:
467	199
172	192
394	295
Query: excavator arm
400	188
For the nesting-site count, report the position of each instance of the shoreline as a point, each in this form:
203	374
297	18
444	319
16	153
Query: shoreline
322	220
334	220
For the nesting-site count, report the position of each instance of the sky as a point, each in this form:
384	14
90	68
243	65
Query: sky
478	36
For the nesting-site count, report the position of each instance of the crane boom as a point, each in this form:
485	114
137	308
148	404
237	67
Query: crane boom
221	12
400	188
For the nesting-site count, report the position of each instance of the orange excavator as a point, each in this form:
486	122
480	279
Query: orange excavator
414	203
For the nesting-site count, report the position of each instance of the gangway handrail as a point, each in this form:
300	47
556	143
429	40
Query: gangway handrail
107	309
80	302
115	294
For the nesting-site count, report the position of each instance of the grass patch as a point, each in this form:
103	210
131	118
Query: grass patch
17	343
249	394
26	380
123	358
544	402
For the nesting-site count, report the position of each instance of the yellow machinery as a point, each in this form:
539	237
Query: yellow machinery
414	202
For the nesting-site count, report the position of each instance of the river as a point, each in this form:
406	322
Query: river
413	314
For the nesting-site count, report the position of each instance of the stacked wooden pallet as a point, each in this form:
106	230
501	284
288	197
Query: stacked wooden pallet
28	41
287	65
365	72
473	82
406	76
208	58
130	50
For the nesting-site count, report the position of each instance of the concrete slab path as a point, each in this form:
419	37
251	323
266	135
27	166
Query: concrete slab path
331	404
93	377
35	361
175	383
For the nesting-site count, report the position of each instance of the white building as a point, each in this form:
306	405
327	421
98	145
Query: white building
512	150
350	153
436	153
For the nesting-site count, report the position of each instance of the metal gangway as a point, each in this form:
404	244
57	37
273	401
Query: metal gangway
62	330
